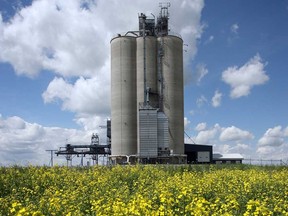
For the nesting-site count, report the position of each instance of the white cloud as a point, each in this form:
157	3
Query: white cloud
240	147
190	18
186	122
201	126
200	101
58	88
190	29
76	41
225	140
207	136
196	75
272	152
244	149
234	140
23	142
235	134
223	148
84	96
243	79
200	72
273	137
286	132
265	150
216	100
273	144
69	44
234	28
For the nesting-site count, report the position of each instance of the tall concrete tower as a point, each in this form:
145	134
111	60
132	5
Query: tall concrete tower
147	113
123	96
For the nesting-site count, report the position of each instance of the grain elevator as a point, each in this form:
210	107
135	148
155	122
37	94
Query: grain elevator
147	110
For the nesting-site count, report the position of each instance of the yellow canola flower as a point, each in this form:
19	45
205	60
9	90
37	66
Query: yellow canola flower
144	190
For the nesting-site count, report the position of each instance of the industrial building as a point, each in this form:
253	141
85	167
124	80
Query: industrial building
147	102
147	110
199	153
227	158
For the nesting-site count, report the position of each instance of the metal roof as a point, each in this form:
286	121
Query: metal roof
235	156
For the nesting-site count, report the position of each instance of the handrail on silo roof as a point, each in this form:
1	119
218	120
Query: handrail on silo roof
135	34
132	32
125	34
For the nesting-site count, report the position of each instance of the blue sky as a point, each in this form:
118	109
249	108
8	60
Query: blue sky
55	73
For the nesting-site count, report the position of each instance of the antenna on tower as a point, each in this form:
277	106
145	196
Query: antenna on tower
164	8
162	20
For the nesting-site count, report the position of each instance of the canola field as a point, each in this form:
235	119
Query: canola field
144	190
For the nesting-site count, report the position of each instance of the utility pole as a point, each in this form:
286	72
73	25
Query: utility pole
51	157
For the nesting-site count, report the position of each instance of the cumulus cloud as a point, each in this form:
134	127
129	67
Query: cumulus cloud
231	139
84	96
216	99
273	142
235	134
223	148
272	152
273	137
76	41
186	122
70	44
265	150
207	136
24	142
191	29
243	79
240	147
224	139
201	126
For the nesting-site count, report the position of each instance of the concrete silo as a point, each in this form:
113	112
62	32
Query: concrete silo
150	67
147	122
147	95
123	96
173	99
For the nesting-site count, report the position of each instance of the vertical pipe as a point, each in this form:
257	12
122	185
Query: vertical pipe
144	64
160	73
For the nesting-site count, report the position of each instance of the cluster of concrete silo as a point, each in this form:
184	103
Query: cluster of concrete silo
147	111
